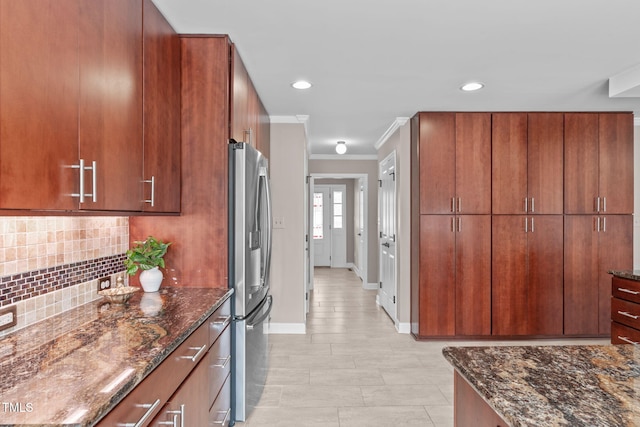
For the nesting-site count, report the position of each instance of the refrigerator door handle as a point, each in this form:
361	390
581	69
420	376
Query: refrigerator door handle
264	180
251	323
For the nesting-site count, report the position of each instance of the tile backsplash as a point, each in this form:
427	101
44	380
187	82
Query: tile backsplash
51	264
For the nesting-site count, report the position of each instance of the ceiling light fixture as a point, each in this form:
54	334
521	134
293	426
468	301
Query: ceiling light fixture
470	87
341	147
301	84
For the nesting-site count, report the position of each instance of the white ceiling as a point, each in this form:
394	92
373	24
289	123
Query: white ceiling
371	61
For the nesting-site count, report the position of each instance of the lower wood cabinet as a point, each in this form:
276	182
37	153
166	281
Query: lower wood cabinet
625	311
184	389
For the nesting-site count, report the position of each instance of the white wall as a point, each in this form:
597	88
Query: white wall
288	163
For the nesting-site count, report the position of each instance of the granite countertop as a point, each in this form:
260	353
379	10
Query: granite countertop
73	368
626	274
555	385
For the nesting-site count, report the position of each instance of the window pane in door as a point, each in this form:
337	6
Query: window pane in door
337	209
317	216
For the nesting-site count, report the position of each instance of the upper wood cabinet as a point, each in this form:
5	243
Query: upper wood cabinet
598	159
455	162
39	104
110	117
249	118
161	104
71	107
527	163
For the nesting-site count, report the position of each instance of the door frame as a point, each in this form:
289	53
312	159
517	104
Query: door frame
362	273
391	157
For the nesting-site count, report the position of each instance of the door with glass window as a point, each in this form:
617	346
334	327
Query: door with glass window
329	226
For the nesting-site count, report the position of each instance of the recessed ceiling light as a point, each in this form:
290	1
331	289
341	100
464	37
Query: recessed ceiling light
469	87
301	84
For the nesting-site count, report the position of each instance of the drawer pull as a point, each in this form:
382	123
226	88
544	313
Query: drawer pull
150	408
624	313
224	321
627	340
175	416
224	364
226	417
197	355
629	291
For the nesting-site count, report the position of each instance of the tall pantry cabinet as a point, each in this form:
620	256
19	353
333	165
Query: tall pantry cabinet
560	193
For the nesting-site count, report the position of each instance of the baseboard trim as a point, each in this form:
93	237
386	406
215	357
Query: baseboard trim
286	328
403	328
370	286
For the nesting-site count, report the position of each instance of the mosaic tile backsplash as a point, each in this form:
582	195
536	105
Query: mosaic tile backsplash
51	264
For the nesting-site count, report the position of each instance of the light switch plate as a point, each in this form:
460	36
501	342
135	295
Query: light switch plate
8	317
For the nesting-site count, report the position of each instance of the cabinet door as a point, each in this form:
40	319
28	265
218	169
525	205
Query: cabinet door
616	163
110	119
509	163
39	104
437	162
581	274
615	243
473	163
510	291
545	275
545	150
189	405
580	163
161	105
473	275
437	281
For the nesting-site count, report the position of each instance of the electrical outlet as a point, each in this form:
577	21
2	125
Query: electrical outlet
278	222
8	317
104	283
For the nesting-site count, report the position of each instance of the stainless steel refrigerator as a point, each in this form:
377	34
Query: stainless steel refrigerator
249	265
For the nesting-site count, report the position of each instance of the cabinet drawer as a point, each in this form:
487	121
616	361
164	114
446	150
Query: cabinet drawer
219	320
625	312
152	393
621	334
220	412
219	364
625	289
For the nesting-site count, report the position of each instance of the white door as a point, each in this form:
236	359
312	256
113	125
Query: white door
387	228
308	243
359	226
321	229
338	226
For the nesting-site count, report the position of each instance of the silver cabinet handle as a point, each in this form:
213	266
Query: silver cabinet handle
526	225
459	208
94	181
221	321
226	417
629	291
604	204
197	355
152	181
604	224
598	204
453	227
598	224
224	364
459	224
150	408
533	205
526	204
627	340
175	416
533	225
250	133
80	193
453	204
626	314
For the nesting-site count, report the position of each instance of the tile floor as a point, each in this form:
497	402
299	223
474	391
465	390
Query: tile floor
353	369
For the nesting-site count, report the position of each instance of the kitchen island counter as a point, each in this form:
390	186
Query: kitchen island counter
597	385
73	368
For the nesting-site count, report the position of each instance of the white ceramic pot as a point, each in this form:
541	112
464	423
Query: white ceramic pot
151	279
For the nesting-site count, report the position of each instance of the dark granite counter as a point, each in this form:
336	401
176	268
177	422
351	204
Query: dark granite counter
555	385
71	369
626	274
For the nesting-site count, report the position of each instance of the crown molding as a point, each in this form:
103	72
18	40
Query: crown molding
398	122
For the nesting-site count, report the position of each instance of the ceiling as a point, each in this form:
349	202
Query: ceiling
371	62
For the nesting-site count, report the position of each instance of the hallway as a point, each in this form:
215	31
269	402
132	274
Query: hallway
352	369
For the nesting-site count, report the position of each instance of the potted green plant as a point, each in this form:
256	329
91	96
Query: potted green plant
147	256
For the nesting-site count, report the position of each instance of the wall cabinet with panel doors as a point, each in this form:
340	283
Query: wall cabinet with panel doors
526	265
161	104
593	246
249	118
598	158
455	162
527	152
71	111
454	288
